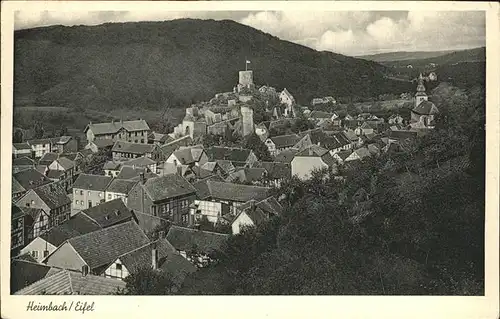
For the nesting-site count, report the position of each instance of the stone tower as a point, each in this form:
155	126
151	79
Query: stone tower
420	96
247	126
246	78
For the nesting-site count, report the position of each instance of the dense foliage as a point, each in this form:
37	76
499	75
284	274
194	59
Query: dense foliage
147	281
151	64
417	226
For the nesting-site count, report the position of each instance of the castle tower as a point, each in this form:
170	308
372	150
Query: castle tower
420	96
246	78
247	126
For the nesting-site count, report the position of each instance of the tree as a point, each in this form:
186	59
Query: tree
147	281
17	137
63	131
302	124
162	126
95	164
39	130
254	143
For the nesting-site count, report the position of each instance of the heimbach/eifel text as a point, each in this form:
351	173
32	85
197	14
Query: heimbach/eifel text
79	306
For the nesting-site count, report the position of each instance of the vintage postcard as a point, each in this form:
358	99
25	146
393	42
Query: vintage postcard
315	159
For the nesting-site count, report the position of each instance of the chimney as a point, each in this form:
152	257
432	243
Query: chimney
142	178
85	270
154	257
113	121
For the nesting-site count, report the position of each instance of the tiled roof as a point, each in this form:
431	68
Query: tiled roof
268	206
226	166
277	170
167	186
236	192
48	158
141	257
103	246
426	108
24	273
351	135
65	163
313	150
134	148
53	195
373	149
200	172
209	166
247	175
282	141
113	127
30	178
139	162
402	134
77	225
362	152
39	141
25	161
228	153
32	212
148	222
21	146
187	239
366	125
103	143
121	186
131	173
178	267
110	165
54	174
158	137
17	187
343	154
92	182
109	213
286	156
285	91
321	115
68	282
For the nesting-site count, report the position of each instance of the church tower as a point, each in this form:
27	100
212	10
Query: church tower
420	96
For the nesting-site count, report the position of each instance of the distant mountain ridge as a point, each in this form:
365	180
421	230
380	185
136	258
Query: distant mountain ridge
154	64
408	56
455	57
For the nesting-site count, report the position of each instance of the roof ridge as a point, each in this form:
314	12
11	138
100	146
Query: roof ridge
85	214
197	230
149	243
100	230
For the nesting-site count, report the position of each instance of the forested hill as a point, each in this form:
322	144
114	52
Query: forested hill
150	64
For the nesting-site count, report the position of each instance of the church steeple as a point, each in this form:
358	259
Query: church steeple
420	96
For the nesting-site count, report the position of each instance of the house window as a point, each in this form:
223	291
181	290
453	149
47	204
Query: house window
100	194
88	193
118	266
34	253
110	196
32	202
81	193
142	140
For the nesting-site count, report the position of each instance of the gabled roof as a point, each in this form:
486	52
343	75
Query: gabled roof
373	149
68	282
121	186
141	257
103	143
277	170
21	146
228	153
92	182
286	156
65	163
312	151
109	213
225	165
402	134
247	175
39	141
200	172
29	179
53	195
23	161
425	108
61	140
269	206
321	115
167	186
142	161
343	154
351	135
134	173
54	174
103	246
282	141
114	127
366	125
362	152
134	148
188	155
77	225
187	239
236	192
114	166
48	158
24	273
158	137
209	166
285	91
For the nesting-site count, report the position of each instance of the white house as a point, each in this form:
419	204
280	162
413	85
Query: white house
287	99
38	248
312	158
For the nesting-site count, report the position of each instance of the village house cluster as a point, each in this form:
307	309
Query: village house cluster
79	233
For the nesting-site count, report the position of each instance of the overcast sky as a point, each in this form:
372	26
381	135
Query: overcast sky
346	32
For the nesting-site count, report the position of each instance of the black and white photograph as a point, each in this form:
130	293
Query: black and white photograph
257	152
